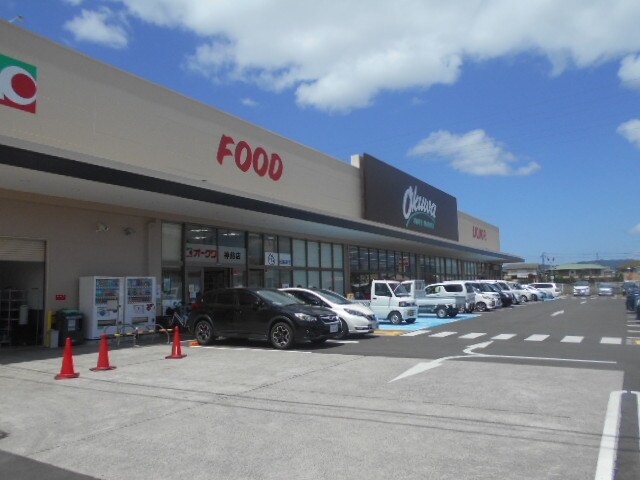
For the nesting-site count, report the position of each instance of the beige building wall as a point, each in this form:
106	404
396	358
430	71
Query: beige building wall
473	232
86	107
74	248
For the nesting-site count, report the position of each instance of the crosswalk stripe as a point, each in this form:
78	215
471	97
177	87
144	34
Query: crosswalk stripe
414	333
472	335
571	339
443	334
504	336
536	338
611	340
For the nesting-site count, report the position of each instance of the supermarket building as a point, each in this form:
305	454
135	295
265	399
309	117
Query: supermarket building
103	173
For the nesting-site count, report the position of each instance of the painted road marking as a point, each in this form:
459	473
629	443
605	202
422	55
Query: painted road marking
536	338
559	312
611	340
472	335
470	354
417	332
605	468
570	339
443	334
582	303
504	336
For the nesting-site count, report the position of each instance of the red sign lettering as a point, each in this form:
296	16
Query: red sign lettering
246	158
480	233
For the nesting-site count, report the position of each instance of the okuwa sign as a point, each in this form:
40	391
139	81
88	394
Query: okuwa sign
395	198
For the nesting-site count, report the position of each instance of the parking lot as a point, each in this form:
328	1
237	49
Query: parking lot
244	410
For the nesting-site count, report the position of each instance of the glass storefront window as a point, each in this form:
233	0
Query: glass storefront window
327	279
272	278
171	243
325	255
363	259
200	235
353	258
284	251
238	277
300	278
299	253
171	287
313	279
313	254
382	260
231	238
338	282
255	278
256	255
338	255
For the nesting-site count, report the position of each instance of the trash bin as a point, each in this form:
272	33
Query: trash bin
69	324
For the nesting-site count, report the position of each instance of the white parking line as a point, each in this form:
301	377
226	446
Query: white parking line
443	334
504	336
611	340
536	338
605	469
559	312
571	339
472	335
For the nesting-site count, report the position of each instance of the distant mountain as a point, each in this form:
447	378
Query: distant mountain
610	263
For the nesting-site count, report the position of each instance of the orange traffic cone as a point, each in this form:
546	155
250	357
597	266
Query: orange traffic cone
103	355
176	349
67	363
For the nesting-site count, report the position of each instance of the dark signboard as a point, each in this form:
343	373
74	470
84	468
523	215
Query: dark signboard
394	198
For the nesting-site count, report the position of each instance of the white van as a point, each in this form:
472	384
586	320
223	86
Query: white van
549	288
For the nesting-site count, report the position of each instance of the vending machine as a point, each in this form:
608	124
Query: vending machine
140	302
101	303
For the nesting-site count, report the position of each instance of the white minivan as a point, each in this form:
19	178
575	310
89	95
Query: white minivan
551	289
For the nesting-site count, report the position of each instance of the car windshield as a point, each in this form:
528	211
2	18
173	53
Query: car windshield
278	298
334	297
401	291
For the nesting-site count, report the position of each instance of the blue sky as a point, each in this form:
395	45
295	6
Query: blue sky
527	112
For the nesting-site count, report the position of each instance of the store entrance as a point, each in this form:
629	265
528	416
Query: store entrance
203	279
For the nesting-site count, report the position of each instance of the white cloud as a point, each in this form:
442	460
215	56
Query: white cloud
99	26
631	131
635	230
249	102
474	153
629	72
339	54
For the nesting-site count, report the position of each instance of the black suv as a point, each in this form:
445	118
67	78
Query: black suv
260	313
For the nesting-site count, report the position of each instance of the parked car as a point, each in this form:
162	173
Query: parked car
633	294
522	293
260	313
486	298
505	297
605	289
551	289
581	288
535	293
355	318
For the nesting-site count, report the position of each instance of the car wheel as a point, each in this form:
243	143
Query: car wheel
203	331
441	312
524	299
344	329
281	336
410	320
481	307
534	297
395	318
